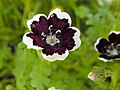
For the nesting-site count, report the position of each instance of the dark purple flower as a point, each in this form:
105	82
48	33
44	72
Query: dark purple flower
110	50
53	34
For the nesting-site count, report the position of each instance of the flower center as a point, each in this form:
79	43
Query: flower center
113	50
52	40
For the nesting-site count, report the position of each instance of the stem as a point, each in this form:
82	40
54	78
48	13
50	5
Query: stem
26	10
115	75
77	22
40	55
118	18
53	3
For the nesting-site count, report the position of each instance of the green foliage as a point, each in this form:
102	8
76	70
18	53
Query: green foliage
40	73
23	69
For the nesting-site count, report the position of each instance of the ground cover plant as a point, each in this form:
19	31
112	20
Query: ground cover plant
23	68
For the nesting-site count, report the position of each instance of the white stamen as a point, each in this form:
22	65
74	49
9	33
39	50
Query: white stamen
43	34
112	50
58	31
52	40
50	27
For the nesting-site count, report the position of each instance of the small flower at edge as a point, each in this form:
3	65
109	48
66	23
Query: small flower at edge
53	34
53	88
110	50
99	74
93	76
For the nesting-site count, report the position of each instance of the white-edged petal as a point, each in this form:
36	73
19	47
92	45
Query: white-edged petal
76	38
35	18
116	32
29	42
96	43
56	56
61	15
103	59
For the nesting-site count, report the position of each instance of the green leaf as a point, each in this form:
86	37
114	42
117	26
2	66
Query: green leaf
9	87
101	87
82	11
21	45
31	14
39	53
40	73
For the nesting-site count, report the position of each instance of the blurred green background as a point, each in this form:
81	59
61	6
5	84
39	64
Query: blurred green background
22	69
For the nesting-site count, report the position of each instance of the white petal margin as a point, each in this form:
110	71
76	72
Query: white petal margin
61	15
116	32
56	56
35	18
96	43
29	42
76	38
103	59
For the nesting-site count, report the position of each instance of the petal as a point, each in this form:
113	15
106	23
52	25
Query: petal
29	42
76	38
38	24
56	53
57	24
114	37
100	45
106	58
70	38
67	40
60	15
36	40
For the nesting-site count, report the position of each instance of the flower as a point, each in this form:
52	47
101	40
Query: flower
53	88
53	34
99	74
110	50
93	76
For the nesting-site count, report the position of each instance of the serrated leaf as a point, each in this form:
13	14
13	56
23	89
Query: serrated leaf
40	74
82	11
